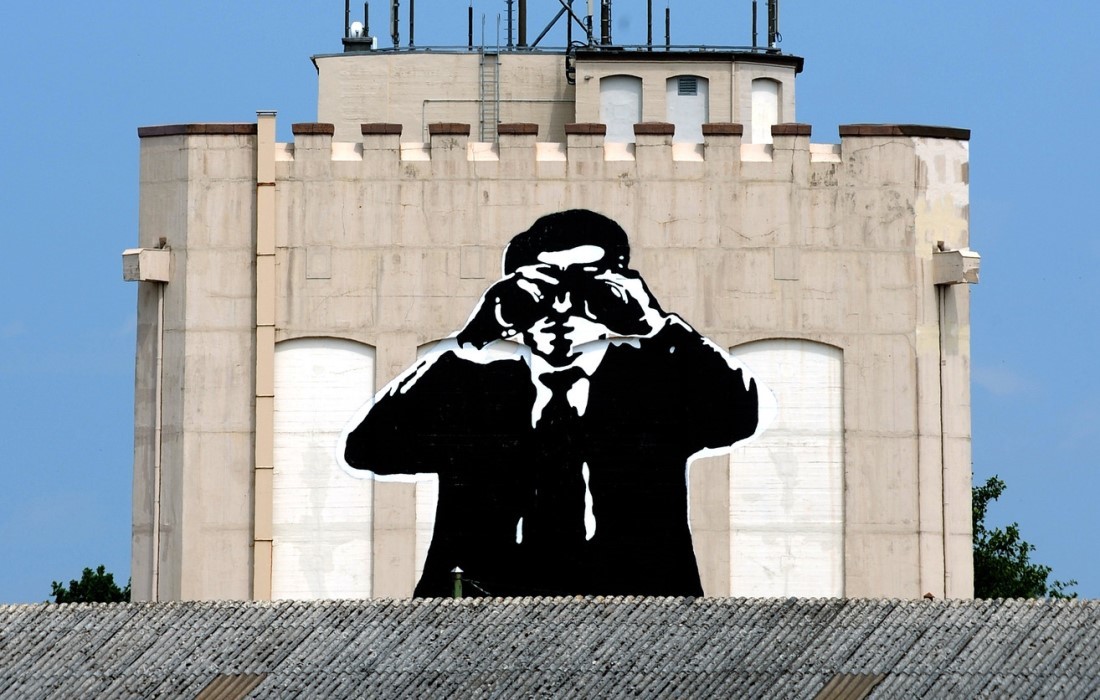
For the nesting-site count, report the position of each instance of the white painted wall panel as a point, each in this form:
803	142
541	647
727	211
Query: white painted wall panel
688	112
620	106
321	514
765	109
787	487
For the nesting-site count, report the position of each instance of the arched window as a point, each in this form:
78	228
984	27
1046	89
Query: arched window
688	106
620	106
321	515
787	487
765	109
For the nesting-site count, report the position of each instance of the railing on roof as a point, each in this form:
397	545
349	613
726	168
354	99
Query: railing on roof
365	45
357	35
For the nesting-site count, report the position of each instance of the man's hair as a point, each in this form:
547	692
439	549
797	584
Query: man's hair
569	229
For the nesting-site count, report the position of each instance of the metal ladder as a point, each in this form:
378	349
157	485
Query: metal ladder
490	94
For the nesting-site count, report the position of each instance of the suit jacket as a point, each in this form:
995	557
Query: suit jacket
511	509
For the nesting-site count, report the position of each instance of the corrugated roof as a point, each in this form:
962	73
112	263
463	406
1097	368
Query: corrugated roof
534	647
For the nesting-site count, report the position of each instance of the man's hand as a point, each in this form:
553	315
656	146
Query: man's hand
622	302
539	298
509	307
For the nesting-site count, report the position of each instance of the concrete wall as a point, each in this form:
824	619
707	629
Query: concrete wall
415	90
197	194
391	245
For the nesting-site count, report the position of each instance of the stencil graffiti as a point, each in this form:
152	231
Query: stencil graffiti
562	468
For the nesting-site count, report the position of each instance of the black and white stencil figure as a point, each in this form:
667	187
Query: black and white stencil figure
562	468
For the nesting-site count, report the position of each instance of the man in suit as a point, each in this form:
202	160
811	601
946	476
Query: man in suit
562	468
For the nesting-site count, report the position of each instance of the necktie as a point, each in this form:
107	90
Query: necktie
554	528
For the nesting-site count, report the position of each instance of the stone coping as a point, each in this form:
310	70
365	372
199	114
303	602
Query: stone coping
723	129
312	128
791	129
915	130
380	129
448	129
197	130
654	129
518	129
586	128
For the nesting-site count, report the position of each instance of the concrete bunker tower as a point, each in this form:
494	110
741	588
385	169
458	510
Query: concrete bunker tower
282	284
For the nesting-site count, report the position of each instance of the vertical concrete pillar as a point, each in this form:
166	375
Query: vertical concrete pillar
264	460
791	154
394	503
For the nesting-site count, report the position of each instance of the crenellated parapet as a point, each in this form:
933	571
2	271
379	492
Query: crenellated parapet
586	151
867	154
587	142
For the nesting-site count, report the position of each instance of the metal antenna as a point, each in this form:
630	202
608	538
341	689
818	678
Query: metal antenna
668	27
605	22
774	37
395	29
649	24
510	3
523	23
754	24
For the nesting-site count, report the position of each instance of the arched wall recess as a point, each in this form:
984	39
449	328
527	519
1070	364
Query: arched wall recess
787	487
620	106
321	515
765	109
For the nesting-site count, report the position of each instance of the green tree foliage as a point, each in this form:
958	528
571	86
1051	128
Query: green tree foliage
93	587
1002	560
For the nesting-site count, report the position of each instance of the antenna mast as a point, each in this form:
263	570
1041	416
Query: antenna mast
774	37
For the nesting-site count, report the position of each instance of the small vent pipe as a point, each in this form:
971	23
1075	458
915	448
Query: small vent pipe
510	3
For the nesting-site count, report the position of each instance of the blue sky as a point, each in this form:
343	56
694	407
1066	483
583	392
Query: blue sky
79	78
